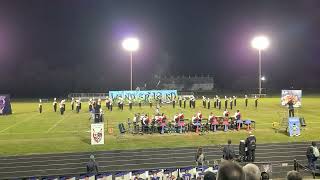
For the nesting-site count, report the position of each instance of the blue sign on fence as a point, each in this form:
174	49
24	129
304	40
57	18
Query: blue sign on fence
165	95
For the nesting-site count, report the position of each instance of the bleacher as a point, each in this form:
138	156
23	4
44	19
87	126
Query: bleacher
280	156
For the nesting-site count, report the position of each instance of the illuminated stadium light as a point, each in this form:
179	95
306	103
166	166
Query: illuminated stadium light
130	44
260	43
263	78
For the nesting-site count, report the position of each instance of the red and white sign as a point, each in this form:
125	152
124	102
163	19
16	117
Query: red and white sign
97	133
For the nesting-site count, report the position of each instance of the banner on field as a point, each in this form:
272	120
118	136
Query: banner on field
5	105
97	133
291	95
164	95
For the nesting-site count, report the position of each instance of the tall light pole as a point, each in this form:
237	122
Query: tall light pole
260	43
131	45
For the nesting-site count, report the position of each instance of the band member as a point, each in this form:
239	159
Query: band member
150	102
160	101
199	115
157	111
40	106
90	103
130	104
64	104
180	101
140	101
184	102
121	104
193	103
78	106
256	101
111	104
246	100
72	104
80	102
99	104
214	102
190	102
225	102
235	101
231	102
208	103
204	104
174	103
237	115
107	103
55	104
219	103
61	107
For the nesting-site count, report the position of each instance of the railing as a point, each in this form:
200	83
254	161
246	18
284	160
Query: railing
87	96
298	167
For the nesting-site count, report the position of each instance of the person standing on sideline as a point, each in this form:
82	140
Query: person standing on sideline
92	166
290	108
228	151
72	104
40	106
200	157
246	100
256	101
251	147
55	104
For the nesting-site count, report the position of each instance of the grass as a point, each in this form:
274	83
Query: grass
28	132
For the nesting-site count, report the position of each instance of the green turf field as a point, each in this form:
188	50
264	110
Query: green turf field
28	132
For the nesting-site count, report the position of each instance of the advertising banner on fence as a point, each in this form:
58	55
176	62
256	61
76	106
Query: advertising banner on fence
5	105
165	95
291	95
97	133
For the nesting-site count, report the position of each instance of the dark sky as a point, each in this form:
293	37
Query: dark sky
60	46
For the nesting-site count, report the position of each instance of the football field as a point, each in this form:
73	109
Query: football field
27	131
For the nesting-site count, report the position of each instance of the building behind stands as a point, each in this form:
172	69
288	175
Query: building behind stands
187	83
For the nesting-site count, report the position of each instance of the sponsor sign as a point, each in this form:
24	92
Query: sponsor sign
97	133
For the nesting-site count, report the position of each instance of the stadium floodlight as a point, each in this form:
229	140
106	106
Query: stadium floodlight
130	44
263	78
260	43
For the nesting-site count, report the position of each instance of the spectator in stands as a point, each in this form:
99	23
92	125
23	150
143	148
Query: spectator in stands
252	172
230	171
312	155
264	176
228	152
251	147
92	166
294	175
209	176
200	157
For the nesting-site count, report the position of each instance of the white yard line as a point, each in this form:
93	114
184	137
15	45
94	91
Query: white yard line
55	125
19	122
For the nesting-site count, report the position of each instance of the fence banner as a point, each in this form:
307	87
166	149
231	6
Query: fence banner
164	95
294	95
97	133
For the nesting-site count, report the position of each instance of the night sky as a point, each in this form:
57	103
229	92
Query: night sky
53	47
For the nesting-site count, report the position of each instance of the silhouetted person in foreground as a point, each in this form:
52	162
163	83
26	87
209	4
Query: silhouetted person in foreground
294	175
230	171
